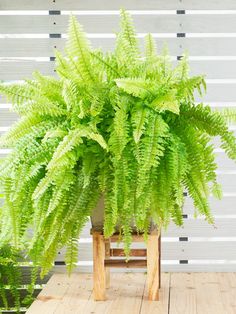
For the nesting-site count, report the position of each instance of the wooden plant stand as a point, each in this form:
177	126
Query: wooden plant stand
102	261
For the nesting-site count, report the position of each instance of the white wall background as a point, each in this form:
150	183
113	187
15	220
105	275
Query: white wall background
30	30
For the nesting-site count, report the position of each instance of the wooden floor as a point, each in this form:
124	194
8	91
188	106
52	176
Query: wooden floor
181	293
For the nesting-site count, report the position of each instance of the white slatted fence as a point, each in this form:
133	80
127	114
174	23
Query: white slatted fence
31	30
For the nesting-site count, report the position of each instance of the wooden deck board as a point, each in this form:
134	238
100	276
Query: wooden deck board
185	293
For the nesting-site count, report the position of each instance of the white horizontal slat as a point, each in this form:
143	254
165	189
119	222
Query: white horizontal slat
180	250
116	4
224	162
7	117
170	23
214	69
19	70
44	47
208	46
39	24
199	227
228	182
211	69
226	206
30	47
219	92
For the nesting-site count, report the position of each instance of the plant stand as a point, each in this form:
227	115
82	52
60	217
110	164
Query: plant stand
102	262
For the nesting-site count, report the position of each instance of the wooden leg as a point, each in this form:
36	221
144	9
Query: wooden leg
153	266
99	275
159	248
107	256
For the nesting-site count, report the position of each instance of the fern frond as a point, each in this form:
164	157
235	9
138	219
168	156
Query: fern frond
150	47
135	86
78	48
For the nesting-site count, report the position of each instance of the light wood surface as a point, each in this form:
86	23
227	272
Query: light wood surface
181	293
99	274
107	257
153	270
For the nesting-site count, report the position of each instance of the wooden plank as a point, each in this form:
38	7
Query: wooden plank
224	162
44	47
162	305
133	252
183	294
199	227
219	93
227	283
99	274
181	23
208	298
203	250
20	70
7	117
135	238
107	257
153	256
207	23
116	4
61	293
200	267
30	47
211	69
124	295
208	46
57	24
118	263
228	182
226	206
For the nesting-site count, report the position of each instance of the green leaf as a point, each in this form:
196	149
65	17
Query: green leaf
165	102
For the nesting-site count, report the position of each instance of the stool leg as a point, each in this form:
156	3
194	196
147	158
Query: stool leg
159	248
107	256
99	276
153	266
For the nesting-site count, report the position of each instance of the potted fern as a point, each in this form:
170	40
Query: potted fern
123	126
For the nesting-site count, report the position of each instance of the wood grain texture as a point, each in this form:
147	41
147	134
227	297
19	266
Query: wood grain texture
185	293
153	273
99	275
133	252
118	263
107	257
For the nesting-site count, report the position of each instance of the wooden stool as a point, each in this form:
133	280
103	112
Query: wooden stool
102	261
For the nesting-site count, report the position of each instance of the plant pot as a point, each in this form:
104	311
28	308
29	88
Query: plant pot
97	219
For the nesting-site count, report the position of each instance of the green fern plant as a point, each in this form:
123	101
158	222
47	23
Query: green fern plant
11	281
119	124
